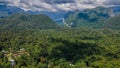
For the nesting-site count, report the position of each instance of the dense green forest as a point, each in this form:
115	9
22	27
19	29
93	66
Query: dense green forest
92	18
35	41
112	23
27	21
62	48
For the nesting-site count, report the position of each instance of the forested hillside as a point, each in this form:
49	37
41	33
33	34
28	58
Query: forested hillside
26	21
92	40
112	23
65	48
92	18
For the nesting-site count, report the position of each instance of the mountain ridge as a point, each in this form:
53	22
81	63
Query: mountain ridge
27	21
89	17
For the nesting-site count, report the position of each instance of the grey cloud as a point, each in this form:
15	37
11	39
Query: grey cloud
112	2
60	5
58	1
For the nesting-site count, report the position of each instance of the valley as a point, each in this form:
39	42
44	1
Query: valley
79	38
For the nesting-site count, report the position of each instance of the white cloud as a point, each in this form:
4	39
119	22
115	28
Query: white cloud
66	6
57	5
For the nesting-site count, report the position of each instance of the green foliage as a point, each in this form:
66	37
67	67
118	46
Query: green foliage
41	65
63	48
26	21
92	18
80	65
112	23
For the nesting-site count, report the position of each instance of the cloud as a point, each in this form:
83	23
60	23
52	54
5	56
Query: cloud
112	2
60	5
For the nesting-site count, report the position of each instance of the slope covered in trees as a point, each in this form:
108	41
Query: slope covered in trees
112	23
90	17
22	40
26	21
66	48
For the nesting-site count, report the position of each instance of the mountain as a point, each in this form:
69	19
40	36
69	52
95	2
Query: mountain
68	14
89	17
6	10
116	10
53	15
112	23
26	21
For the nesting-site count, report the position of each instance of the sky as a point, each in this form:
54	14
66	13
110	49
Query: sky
60	5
